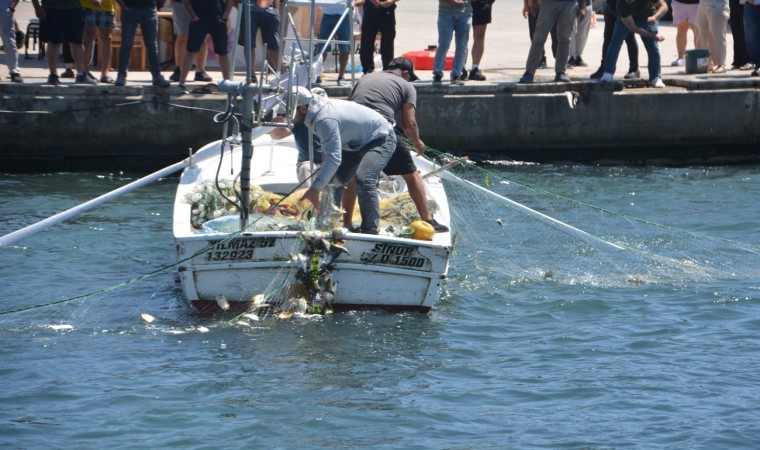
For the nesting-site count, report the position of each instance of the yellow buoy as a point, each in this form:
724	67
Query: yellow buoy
423	231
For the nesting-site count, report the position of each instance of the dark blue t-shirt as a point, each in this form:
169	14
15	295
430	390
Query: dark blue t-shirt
301	136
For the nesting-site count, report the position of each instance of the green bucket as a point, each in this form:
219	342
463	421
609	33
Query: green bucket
696	60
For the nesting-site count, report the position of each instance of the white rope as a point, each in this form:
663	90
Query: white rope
12	238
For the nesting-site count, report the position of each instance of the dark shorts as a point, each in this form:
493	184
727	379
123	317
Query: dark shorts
268	23
481	12
200	29
63	25
401	162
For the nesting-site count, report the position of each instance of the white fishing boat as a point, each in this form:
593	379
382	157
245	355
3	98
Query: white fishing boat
243	240
222	269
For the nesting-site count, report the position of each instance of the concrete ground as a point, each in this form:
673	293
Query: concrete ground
507	45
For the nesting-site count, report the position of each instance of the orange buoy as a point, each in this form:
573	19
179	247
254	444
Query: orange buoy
423	231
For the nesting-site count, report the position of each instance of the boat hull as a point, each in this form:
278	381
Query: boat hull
387	273
219	269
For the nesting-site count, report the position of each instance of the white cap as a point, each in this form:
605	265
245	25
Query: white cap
301	96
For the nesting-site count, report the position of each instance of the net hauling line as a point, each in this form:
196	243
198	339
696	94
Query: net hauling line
444	173
12	238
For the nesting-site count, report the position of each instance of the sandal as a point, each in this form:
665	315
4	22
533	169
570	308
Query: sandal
720	68
106	79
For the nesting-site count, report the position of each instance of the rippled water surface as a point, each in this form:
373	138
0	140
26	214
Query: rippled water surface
510	357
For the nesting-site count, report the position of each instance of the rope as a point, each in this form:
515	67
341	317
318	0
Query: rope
157	271
490	174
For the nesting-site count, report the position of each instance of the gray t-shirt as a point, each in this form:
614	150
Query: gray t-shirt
384	92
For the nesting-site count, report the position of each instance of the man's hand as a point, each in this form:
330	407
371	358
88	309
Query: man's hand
312	195
419	146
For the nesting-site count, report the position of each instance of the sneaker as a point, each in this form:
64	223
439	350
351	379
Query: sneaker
437	79
633	75
182	88
91	76
201	75
457	81
570	62
53	80
106	79
526	78
68	73
477	75
16	78
121	80
579	62
543	65
562	78
463	77
598	74
657	83
756	72
678	62
175	75
438	227
84	79
342	82
161	82
606	77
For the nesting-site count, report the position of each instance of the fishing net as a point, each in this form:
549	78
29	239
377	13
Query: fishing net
544	230
513	224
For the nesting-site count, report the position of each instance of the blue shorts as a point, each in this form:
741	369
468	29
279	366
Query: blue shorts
269	24
98	19
200	29
63	25
343	34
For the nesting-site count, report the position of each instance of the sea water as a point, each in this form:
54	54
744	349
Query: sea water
501	361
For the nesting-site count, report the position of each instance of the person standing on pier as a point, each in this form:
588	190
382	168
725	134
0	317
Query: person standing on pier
454	21
610	17
379	16
63	21
752	33
265	16
481	17
99	19
207	17
642	17
563	14
144	13
712	19
8	34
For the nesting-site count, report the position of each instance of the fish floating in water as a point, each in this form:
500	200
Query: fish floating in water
635	280
147	317
60	327
221	300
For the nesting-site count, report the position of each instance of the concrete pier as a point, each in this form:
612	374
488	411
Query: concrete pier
696	119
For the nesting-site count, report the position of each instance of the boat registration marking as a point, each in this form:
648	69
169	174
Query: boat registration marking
241	249
394	255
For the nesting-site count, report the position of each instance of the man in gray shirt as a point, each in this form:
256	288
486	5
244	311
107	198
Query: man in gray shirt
389	93
356	142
